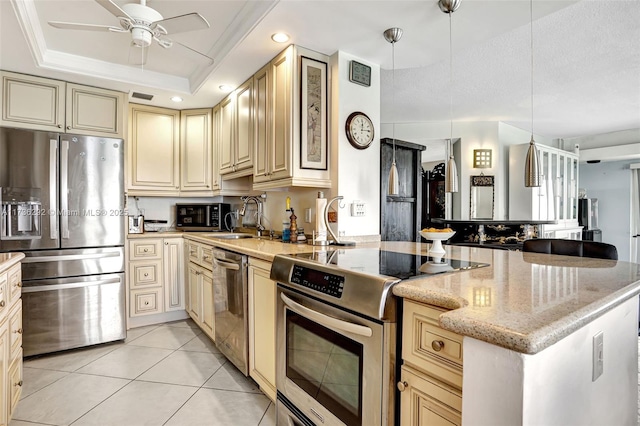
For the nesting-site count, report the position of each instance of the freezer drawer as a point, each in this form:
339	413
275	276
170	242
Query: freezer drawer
72	262
69	313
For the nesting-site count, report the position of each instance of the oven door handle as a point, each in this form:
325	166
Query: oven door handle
326	320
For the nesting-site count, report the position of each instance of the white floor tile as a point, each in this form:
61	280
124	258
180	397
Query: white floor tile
182	323
269	418
71	360
67	399
184	368
14	422
200	343
127	362
35	379
134	333
139	403
166	337
230	378
214	407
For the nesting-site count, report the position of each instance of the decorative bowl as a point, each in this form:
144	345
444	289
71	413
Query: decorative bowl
437	238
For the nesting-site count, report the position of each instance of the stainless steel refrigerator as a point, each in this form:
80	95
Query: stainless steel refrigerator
588	219
62	200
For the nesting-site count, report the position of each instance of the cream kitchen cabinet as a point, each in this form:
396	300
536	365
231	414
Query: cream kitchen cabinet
196	148
156	279
154	151
276	108
262	326
10	341
236	141
430	383
43	104
200	283
170	152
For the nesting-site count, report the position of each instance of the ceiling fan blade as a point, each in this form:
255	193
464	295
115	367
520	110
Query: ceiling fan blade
183	23
138	55
113	8
194	53
85	27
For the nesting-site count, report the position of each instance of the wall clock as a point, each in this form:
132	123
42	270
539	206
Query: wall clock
359	128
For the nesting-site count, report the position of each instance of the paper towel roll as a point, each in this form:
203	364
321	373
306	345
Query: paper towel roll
321	229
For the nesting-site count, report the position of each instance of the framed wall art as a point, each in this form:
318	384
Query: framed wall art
313	114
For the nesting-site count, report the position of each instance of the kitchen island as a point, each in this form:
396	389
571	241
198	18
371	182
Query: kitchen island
528	326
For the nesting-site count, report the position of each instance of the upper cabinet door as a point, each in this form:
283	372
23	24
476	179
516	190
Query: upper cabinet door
154	150
195	146
32	102
227	137
243	152
261	123
95	112
282	115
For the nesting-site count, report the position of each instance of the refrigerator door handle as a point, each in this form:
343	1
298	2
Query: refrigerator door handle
34	289
64	189
53	195
38	259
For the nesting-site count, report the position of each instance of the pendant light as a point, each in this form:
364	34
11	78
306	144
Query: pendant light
531	163
393	35
451	172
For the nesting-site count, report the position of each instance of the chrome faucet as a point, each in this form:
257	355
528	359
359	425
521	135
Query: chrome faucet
336	241
258	200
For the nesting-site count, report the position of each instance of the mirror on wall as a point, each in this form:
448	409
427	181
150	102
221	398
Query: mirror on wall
482	197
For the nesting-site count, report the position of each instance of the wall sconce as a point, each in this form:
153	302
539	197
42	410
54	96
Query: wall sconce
482	158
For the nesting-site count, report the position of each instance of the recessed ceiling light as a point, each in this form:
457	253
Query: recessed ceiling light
226	88
280	37
176	99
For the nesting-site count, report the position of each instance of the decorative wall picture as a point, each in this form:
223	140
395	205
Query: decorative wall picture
313	114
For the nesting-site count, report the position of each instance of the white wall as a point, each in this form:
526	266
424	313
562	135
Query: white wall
555	387
610	183
355	173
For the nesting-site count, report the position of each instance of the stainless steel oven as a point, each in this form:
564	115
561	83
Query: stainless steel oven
336	342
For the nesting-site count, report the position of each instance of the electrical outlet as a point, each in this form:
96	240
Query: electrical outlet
598	356
357	208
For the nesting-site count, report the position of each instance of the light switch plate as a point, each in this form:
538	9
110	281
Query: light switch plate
598	356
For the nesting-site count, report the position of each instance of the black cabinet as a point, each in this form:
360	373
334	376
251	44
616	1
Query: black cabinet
400	215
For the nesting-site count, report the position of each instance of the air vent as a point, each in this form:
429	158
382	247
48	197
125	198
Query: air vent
142	96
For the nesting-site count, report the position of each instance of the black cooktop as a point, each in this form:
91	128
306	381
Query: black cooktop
381	262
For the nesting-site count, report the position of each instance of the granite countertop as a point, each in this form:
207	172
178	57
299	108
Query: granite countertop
9	259
525	302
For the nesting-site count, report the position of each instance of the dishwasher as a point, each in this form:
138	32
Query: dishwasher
230	306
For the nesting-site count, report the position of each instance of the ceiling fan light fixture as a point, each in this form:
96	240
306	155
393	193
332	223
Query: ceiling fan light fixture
280	37
141	37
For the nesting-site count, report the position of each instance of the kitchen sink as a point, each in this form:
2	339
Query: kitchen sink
232	236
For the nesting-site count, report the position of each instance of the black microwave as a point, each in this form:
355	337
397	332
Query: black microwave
202	217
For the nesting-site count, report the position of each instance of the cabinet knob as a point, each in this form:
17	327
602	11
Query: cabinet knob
166	244
145	250
402	386
19	331
437	345
18	284
146	274
68	127
59	126
2	303
19	383
146	303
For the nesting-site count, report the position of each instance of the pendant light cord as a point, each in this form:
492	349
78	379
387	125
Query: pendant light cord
531	29
450	82
393	90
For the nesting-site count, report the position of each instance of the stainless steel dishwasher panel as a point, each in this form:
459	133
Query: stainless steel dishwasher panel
230	307
68	313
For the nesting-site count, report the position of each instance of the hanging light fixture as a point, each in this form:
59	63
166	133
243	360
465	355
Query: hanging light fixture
451	172
393	35
531	163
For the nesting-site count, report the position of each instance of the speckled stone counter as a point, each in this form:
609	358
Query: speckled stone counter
9	259
525	302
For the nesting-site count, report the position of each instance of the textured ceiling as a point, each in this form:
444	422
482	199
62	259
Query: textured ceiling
586	74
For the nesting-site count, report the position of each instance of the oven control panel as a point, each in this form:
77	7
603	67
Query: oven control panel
323	282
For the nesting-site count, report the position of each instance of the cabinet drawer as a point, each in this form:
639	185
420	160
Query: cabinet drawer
15	283
145	274
146	302
206	257
193	251
425	401
428	347
15	330
4	292
15	383
145	249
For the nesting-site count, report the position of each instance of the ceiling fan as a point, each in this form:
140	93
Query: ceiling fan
145	25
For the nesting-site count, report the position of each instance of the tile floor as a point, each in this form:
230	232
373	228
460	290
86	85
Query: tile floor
169	374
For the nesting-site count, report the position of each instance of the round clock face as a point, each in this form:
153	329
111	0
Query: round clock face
359	130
